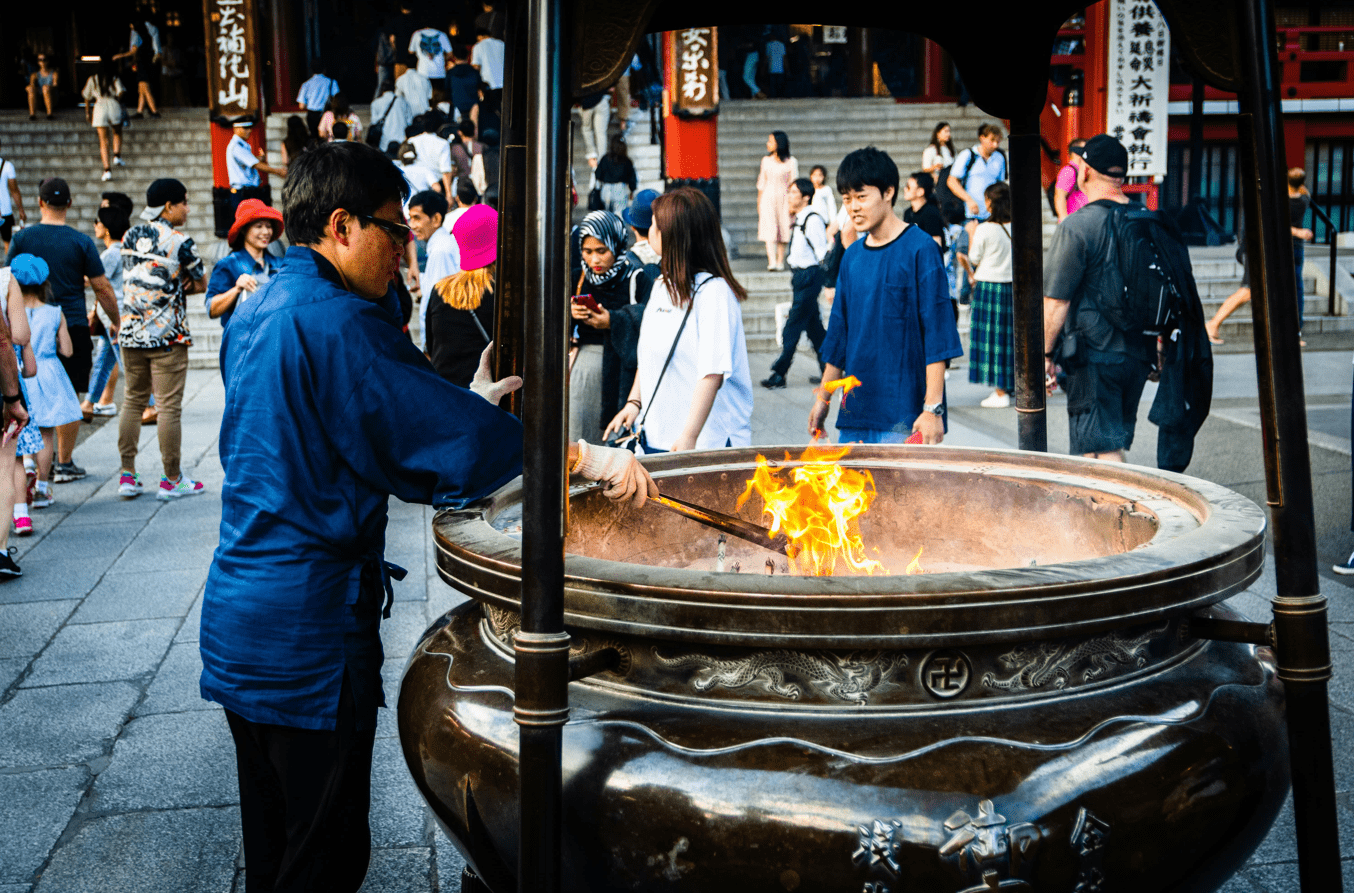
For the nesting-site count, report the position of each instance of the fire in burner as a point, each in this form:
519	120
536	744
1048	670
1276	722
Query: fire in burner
817	505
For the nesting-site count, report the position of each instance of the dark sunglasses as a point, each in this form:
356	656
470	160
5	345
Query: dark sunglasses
398	232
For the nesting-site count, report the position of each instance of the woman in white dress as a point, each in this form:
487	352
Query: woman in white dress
701	398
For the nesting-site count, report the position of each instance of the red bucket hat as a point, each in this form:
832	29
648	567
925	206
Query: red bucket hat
476	233
250	210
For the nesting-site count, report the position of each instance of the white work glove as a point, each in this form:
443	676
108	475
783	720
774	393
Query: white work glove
483	383
626	479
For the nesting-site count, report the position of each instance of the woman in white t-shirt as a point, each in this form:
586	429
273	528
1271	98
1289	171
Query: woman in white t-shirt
703	400
992	332
104	112
939	153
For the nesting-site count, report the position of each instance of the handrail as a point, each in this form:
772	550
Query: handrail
1331	238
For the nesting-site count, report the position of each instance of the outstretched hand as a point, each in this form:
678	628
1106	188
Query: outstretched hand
483	383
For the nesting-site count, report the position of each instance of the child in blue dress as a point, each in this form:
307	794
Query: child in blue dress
12	478
52	400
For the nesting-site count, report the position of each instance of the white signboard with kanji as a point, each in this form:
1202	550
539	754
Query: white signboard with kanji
1139	84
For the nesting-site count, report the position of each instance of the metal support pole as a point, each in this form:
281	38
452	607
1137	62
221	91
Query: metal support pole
541	707
1027	237
509	290
1300	630
1196	140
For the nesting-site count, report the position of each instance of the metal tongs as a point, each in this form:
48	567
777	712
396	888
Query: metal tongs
753	533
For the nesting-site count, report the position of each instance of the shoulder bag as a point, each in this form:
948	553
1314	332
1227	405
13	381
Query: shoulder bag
636	436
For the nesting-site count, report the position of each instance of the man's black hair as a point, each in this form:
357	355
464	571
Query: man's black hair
348	175
466	193
868	167
120	200
340	130
466	128
115	220
317	67
925	181
430	201
805	187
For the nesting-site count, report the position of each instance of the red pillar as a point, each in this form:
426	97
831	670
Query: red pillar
690	145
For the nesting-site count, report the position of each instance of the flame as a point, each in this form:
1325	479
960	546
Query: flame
914	566
818	510
847	385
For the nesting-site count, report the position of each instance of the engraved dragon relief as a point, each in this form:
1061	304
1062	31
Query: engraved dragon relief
504	625
839	677
1040	664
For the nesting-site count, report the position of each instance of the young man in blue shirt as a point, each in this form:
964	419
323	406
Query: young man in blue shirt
330	410
892	325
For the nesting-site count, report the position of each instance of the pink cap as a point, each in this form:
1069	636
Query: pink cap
476	233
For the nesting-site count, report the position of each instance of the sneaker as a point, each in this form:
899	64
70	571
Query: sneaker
129	486
107	175
8	569
41	499
23	526
105	409
1345	569
118	162
185	487
774	381
996	401
65	472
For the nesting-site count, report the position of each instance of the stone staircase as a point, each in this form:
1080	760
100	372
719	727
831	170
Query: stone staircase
821	132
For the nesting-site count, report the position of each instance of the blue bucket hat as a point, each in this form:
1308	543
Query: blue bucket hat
640	213
29	269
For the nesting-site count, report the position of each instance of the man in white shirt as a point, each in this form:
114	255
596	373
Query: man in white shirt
426	210
11	202
391	112
434	153
487	59
415	89
243	165
430	46
808	247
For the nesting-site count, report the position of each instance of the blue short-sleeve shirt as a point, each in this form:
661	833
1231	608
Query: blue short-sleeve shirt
240	164
891	318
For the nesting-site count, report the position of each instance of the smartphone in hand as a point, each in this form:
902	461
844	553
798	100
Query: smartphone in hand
587	301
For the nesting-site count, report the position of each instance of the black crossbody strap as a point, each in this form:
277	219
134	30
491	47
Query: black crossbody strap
671	351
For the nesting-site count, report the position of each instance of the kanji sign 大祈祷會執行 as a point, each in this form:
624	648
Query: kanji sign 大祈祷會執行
1139	84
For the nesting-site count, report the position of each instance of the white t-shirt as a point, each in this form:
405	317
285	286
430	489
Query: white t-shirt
434	153
417	91
712	343
487	56
6	174
431	46
930	155
990	252
419	177
824	203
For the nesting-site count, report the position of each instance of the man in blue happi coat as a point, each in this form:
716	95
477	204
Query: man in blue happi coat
330	410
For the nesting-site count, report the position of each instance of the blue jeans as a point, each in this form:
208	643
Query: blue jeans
1299	250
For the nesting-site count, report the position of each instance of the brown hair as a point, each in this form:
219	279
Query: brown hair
1296	177
692	243
465	290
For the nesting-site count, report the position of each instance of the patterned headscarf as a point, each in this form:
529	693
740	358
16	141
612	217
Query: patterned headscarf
608	229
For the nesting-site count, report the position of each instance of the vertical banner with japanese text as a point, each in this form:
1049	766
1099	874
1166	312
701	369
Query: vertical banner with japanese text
696	64
232	63
1139	84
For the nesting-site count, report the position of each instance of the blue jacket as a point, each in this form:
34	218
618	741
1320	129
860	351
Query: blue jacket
232	267
329	411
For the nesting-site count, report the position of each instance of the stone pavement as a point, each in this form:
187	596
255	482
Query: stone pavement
116	776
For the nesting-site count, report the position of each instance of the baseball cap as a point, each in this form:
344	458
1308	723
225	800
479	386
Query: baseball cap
1106	154
640	213
55	192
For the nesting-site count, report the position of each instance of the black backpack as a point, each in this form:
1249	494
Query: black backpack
825	263
952	208
1154	269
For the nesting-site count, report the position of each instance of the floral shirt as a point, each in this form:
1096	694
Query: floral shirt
155	258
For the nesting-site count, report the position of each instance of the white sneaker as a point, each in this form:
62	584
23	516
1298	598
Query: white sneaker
186	486
107	175
118	162
105	409
129	486
996	401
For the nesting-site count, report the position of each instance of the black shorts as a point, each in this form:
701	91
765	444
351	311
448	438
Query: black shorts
78	364
1102	404
6	227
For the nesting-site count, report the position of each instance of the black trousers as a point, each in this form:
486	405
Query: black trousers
305	796
804	317
313	121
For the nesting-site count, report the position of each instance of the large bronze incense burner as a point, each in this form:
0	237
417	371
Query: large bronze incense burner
1035	711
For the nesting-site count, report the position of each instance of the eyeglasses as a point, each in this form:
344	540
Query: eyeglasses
398	232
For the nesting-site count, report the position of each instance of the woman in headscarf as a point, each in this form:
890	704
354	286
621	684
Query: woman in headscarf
607	306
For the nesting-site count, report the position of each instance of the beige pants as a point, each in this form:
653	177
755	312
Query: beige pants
161	371
585	395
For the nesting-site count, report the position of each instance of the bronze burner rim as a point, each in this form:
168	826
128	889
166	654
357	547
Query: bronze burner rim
1166	577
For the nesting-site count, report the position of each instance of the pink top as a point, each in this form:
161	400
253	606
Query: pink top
1067	182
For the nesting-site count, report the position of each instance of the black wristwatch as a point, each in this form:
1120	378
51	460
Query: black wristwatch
15	399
